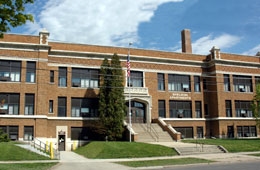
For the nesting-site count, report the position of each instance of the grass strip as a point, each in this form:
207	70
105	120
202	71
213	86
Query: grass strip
232	145
164	162
108	150
11	152
257	154
27	166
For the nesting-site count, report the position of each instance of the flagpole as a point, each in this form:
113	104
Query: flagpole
129	91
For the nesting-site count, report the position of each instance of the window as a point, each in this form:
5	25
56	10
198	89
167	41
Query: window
178	82
226	82
161	108
206	109
28	133
243	108
246	131
62	76
180	109
136	79
84	107
9	103
205	84
79	133
10	70
186	132
50	106
198	109
161	81
12	131
29	104
196	83
228	108
62	106
86	78
30	71
200	132
51	76
242	83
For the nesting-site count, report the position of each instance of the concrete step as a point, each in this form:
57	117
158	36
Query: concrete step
199	149
151	133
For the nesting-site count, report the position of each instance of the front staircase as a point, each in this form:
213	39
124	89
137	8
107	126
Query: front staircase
199	149
151	132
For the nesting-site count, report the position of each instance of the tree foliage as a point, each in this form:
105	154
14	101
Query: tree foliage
111	98
4	137
12	14
256	105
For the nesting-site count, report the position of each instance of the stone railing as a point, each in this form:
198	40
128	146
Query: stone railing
136	90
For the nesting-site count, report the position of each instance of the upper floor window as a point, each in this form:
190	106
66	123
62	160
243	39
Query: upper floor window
228	108
87	78
9	103
51	76
243	108
62	106
84	107
50	106
10	70
196	83
178	82
198	109
62	76
136	79
29	104
161	108
161	81
180	109
242	83
30	71
226	82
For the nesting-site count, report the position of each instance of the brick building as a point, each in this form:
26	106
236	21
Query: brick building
49	90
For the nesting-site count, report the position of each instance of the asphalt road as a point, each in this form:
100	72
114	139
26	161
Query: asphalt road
215	166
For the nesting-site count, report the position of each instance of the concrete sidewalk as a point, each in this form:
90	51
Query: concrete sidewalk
70	160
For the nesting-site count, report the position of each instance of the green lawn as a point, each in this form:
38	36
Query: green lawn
106	150
11	152
164	162
232	145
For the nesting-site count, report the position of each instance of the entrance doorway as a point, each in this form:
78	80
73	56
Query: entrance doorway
61	146
138	112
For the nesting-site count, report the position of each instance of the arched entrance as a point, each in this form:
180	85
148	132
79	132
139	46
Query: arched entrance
138	110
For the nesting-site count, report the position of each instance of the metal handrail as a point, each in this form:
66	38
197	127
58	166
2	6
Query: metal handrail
43	147
152	132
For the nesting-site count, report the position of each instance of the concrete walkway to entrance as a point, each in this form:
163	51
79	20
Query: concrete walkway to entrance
70	160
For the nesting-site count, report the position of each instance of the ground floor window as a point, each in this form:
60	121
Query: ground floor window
186	132
200	132
28	133
180	109
79	133
246	131
12	131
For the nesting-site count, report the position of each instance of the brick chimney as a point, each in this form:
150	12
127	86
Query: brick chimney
186	41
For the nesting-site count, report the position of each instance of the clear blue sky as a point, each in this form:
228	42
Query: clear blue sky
232	25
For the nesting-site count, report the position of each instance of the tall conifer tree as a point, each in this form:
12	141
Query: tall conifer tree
112	102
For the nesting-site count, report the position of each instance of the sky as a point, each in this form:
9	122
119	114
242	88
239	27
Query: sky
231	25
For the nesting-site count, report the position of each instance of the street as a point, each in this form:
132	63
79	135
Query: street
216	166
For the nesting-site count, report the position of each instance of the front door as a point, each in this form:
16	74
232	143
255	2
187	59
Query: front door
61	143
138	113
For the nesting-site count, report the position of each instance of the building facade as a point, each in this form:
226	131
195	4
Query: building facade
49	90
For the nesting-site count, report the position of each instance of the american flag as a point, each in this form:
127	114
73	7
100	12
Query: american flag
128	65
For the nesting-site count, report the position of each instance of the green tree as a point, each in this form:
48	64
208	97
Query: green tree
3	137
112	101
12	14
256	105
